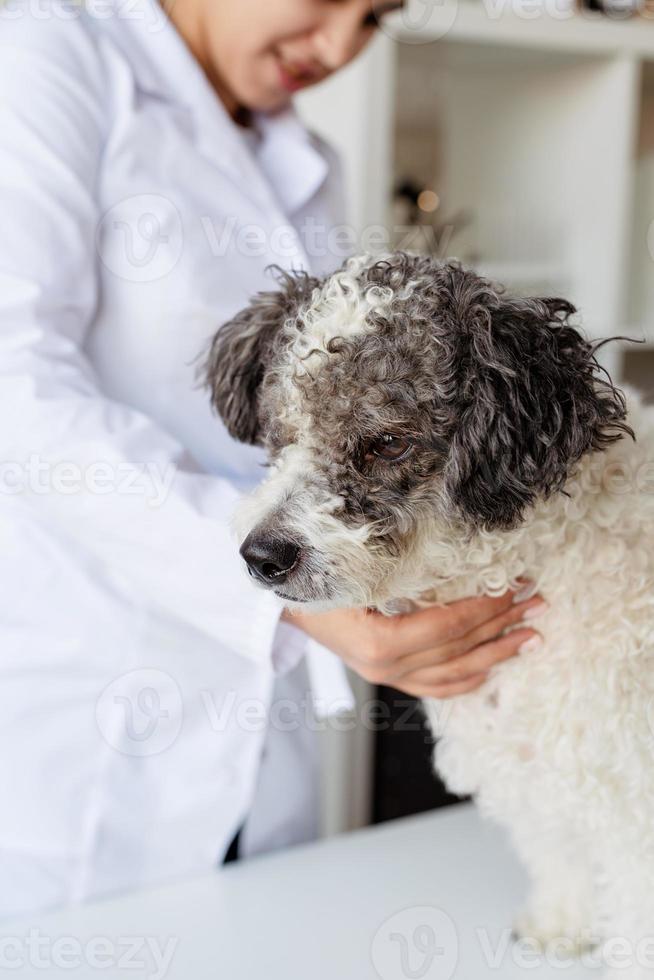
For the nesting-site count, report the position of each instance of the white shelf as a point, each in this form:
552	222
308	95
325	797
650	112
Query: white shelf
636	331
523	273
495	22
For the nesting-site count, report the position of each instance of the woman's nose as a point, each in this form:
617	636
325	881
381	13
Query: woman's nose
339	39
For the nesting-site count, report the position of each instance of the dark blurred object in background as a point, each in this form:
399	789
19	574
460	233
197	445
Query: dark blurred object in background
419	222
404	781
638	370
614	8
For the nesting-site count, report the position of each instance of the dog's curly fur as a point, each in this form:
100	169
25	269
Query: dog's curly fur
521	462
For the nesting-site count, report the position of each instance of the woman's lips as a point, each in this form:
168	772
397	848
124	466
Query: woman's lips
294	76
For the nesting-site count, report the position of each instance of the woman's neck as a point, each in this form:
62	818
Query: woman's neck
187	19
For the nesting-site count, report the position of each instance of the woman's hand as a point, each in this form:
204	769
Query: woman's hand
436	652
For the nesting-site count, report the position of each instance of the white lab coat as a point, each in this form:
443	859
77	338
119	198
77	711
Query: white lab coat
137	661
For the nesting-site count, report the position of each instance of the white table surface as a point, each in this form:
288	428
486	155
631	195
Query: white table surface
429	897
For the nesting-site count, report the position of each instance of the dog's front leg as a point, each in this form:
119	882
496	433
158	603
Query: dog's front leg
627	906
561	904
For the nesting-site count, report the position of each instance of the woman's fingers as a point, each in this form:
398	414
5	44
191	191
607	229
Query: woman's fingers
525	611
470	666
424	629
487	631
442	691
453	643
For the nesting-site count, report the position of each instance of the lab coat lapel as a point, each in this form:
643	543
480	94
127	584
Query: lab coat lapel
293	164
289	168
219	140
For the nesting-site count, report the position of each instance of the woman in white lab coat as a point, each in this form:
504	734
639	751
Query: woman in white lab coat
151	167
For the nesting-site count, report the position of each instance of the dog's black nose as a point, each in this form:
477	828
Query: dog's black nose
269	559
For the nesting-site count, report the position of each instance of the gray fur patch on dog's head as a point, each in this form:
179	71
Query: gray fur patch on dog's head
241	350
495	397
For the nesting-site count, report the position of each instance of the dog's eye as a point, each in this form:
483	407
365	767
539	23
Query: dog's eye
388	447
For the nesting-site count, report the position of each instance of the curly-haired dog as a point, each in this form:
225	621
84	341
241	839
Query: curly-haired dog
431	438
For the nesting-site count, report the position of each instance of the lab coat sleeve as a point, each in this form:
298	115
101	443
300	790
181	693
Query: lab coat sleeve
112	484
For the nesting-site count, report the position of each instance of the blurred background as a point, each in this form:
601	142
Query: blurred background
519	138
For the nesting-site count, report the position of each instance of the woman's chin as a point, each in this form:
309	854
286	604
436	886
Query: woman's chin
277	101
266	100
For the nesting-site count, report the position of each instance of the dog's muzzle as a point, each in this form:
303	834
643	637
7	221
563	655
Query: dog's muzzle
269	559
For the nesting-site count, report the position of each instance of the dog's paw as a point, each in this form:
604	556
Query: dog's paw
555	926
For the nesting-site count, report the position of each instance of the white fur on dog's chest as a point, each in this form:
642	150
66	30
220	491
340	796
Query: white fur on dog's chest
546	717
582	704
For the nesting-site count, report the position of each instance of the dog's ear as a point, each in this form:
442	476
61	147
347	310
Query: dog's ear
529	400
242	349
